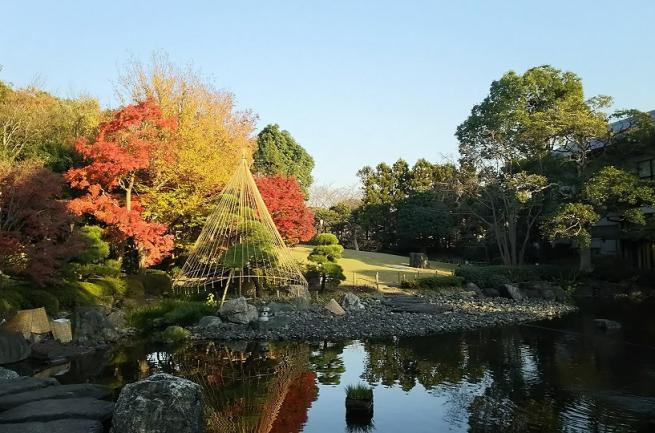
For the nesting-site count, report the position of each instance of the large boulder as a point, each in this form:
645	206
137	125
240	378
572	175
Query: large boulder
91	327
160	404
607	325
238	311
351	302
7	374
13	347
512	292
419	260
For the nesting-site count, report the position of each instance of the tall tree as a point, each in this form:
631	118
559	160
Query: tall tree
37	125
286	204
524	119
211	137
278	153
121	162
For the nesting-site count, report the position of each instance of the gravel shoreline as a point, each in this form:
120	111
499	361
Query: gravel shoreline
377	320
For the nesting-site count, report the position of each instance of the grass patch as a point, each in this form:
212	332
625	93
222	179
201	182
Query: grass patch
389	267
168	312
359	392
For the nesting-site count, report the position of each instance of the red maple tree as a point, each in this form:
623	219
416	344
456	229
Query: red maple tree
35	225
120	161
286	204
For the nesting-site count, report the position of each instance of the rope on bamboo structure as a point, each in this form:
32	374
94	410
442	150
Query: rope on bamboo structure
239	244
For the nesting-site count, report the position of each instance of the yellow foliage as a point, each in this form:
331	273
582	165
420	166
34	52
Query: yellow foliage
211	138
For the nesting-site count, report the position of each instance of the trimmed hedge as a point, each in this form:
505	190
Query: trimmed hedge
433	283
155	282
168	312
497	275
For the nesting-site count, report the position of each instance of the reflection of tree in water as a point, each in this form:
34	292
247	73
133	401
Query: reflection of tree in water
245	390
327	362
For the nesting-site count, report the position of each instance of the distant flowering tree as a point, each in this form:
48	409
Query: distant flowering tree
120	163
285	202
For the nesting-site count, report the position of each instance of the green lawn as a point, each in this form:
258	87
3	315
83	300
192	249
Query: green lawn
388	266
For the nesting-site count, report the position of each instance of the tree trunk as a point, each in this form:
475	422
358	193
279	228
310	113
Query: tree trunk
585	259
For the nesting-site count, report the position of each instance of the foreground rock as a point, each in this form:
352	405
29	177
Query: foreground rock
384	318
57	409
55	392
607	325
7	374
238	311
58	426
13	347
162	403
24	384
333	307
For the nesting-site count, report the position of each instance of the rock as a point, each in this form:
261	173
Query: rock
7	374
334	308
238	311
209	321
607	325
161	403
55	392
279	307
491	292
54	409
175	334
472	287
62	330
24	384
351	302
301	304
118	318
513	292
13	347
91	328
58	426
419	260
54	352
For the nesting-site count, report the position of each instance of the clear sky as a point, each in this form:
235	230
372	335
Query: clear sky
356	82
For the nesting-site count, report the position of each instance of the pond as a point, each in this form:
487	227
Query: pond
562	375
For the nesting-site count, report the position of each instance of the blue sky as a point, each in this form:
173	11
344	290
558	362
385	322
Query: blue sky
356	82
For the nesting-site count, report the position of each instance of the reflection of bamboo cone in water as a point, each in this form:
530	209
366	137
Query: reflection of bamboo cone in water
144	368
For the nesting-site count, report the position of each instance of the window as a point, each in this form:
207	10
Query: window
645	169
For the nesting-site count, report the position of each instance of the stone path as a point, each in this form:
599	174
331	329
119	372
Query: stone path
30	405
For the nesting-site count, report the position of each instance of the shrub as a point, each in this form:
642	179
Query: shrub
326	239
155	282
135	289
433	283
497	275
359	392
174	334
111	286
11	300
168	312
41	298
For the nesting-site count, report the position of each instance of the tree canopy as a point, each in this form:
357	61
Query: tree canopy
278	153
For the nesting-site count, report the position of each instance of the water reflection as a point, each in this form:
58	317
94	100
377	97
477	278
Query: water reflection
557	376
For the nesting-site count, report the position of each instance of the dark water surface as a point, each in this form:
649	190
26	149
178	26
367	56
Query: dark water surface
561	375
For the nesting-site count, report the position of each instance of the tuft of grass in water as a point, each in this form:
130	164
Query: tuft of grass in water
359	392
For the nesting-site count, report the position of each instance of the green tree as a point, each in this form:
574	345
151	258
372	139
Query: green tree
423	222
325	254
279	153
611	193
522	121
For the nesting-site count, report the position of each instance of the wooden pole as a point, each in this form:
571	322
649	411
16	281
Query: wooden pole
377	281
229	277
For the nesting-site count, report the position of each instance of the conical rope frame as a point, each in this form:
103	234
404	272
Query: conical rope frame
239	245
